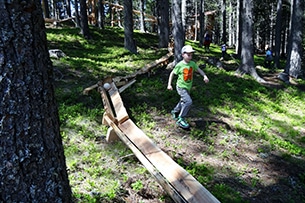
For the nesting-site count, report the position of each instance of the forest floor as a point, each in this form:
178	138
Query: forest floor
246	142
266	175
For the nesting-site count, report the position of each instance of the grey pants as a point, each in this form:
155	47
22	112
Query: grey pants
185	102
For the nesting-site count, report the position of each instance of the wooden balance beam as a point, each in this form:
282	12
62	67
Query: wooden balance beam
177	182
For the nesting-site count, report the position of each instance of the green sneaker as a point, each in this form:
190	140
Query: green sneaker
174	115
182	123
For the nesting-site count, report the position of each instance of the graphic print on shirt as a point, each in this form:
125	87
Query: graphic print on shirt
188	74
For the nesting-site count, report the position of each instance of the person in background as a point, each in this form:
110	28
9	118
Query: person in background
269	58
223	50
207	41
184	70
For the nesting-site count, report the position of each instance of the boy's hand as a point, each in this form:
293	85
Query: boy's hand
205	79
169	87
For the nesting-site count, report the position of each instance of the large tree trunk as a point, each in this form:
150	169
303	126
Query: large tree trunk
278	33
68	8
101	16
163	22
239	9
45	8
201	23
142	17
129	42
32	161
178	30
224	22
84	20
295	51
247	52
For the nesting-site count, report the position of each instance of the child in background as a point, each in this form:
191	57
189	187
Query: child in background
184	70
269	58
223	50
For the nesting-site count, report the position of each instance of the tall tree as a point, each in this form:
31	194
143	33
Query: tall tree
278	33
129	42
224	21
231	28
32	161
45	8
201	23
68	7
239	22
163	22
247	53
84	19
101	10
178	29
142	16
295	49
77	15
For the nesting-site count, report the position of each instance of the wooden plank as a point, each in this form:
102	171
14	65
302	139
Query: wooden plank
178	183
176	196
120	111
179	178
107	103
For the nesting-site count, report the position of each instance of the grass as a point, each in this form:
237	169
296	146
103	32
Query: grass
234	116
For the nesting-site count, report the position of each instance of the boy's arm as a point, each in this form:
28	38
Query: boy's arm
170	79
205	77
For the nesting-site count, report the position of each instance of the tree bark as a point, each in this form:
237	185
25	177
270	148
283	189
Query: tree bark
45	8
295	51
100	8
201	23
84	20
247	52
224	22
178	29
278	33
163	22
142	17
129	42
239	9
32	161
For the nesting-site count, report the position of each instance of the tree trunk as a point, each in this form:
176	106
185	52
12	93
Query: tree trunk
163	22
142	11
45	8
224	21
201	23
178	29
247	53
84	20
294	60
239	9
77	16
68	8
232	31
32	161
100	9
129	42
278	32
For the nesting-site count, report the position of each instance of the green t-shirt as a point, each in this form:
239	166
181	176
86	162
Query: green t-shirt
185	74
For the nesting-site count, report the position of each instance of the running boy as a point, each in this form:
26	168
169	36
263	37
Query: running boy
184	69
